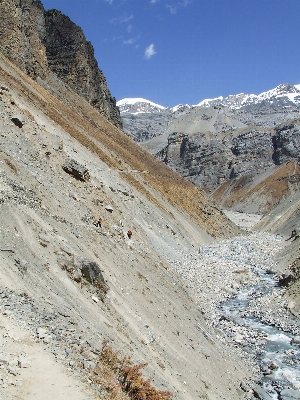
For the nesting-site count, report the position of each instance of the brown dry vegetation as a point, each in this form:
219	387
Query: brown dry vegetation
122	376
275	187
11	165
118	151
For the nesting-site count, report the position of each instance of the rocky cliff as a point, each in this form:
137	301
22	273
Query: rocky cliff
286	142
40	42
22	25
72	59
208	160
229	166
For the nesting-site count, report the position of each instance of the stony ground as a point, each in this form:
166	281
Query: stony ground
213	273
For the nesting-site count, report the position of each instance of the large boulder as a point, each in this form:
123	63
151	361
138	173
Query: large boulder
91	271
18	120
77	170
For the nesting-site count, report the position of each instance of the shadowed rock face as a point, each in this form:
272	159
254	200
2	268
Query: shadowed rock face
287	142
39	42
72	59
20	33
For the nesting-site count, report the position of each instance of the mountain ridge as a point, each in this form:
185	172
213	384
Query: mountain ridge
291	92
223	144
42	43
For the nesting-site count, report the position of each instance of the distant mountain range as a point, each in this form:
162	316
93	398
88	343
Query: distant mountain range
224	144
144	120
283	94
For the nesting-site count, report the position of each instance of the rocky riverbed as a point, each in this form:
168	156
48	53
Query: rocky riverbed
234	284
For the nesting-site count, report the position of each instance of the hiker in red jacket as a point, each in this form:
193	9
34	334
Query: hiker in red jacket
129	234
99	223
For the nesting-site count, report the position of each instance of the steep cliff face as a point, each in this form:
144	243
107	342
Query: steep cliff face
251	169
40	42
72	59
209	160
20	31
287	142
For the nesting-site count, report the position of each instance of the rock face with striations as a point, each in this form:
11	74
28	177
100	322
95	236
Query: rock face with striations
287	142
208	160
20	33
72	59
40	42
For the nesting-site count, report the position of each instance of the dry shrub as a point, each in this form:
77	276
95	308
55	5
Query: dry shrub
11	165
129	376
102	288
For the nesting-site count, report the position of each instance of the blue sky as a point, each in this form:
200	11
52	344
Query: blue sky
183	51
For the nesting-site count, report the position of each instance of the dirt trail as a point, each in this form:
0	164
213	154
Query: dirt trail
30	372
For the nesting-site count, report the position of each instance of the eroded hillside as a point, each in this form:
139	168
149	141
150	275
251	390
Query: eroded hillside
48	238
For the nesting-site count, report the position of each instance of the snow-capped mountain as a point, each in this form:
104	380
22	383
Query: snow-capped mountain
144	120
283	94
138	105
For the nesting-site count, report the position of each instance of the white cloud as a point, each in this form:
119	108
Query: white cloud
177	5
132	40
150	51
109	1
122	19
154	1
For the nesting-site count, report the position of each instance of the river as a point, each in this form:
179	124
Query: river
275	348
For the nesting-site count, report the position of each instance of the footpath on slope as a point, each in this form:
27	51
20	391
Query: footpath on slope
29	371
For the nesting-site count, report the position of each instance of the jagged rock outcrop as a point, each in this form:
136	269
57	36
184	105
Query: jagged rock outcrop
72	59
286	142
20	35
40	42
209	160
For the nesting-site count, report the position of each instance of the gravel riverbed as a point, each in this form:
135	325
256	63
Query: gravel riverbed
217	272
235	287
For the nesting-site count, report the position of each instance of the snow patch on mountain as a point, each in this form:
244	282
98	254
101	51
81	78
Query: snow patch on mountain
210	102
